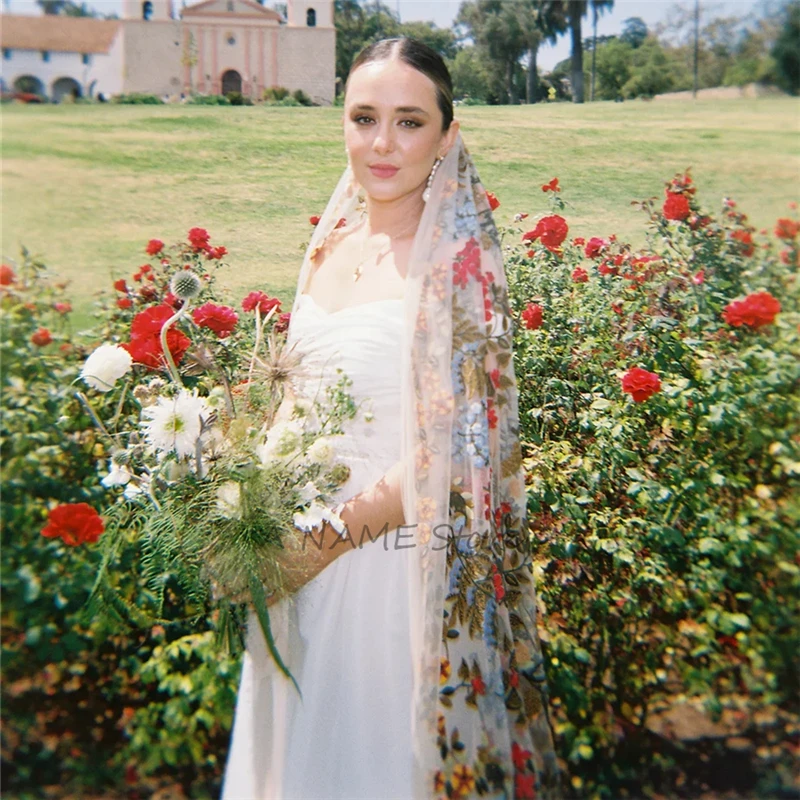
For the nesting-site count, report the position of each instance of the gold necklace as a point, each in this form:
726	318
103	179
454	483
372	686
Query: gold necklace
384	249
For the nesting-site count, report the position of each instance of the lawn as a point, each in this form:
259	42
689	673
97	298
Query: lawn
85	187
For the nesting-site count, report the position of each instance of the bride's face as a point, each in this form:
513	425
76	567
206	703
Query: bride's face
393	129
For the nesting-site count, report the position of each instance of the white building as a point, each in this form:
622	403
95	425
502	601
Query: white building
213	47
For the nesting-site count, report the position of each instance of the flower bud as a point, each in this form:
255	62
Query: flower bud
185	285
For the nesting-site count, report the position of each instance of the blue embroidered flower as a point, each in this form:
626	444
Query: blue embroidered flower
488	623
471	589
455	572
476	435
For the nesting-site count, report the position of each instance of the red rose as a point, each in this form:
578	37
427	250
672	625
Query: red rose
640	384
282	325
148	292
493	201
120	285
745	237
75	523
552	186
315	220
7	276
150	321
262	301
595	246
124	302
550	230
154	247
42	337
787	228
580	275
220	319
198	239
532	316
578	241
699	277
607	269
755	311
147	349
215	253
62	308
676	207
786	258
173	301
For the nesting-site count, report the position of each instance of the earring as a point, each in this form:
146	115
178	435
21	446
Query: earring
427	192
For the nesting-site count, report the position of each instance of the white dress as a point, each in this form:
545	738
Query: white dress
345	635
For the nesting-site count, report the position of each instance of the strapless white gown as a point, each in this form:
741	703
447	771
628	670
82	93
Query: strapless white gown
344	635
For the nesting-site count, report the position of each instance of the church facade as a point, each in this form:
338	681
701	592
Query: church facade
211	47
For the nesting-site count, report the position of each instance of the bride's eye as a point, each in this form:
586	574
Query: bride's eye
410	123
362	119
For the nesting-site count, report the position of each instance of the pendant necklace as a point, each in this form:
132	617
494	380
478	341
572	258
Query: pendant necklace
384	249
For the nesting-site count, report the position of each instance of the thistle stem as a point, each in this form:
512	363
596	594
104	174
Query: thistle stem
170	362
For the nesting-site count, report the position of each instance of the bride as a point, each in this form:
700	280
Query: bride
413	640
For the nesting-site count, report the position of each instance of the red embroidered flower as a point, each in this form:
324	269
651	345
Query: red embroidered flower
62	308
532	316
495	376
755	311
551	231
491	414
124	302
198	239
580	275
74	523
7	276
493	201
499	589
513	678
520	756
120	285
314	220
262	301
220	319
154	247
787	228
640	384
340	224
595	246
282	325
478	686
467	263
525	786
42	337
676	207
745	237
552	186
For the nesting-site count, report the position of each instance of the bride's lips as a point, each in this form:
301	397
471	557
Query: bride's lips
383	170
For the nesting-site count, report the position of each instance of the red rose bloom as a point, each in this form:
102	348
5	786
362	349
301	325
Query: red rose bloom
62	308
148	292
75	523
124	302
42	337
699	278
550	230
198	239
315	220
532	316
145	343
607	269
755	311
120	285
578	241
493	201
150	321
262	301
640	384
282	325
154	247
552	186
787	228
7	276
220	319
595	246
215	253
676	207
745	237
580	275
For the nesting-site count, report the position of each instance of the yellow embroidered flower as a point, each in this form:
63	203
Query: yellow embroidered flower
423	533
423	460
442	402
463	779
438	781
426	508
444	671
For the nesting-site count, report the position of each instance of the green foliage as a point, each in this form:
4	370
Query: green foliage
137	99
666	529
786	51
209	100
273	94
238	99
302	98
652	71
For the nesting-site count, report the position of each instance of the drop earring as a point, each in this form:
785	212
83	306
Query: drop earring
427	192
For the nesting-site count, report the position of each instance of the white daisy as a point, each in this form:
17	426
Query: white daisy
321	452
105	366
118	475
315	515
174	423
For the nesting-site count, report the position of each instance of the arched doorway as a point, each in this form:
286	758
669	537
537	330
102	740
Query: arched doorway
29	84
65	88
231	81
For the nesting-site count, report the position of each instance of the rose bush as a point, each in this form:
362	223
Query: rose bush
658	407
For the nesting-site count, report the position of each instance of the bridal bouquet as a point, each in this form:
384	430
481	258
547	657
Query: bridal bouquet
215	465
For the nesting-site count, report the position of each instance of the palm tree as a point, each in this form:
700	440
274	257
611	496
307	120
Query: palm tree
576	10
540	21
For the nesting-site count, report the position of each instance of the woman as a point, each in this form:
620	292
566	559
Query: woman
414	640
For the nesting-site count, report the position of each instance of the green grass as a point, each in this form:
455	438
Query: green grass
85	187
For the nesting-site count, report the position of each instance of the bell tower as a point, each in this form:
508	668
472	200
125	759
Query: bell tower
309	13
147	10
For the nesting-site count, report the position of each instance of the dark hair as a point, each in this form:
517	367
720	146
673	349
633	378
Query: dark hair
419	56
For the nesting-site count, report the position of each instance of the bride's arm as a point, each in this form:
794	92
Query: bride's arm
368	516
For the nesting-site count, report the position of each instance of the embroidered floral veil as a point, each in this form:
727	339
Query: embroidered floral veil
480	699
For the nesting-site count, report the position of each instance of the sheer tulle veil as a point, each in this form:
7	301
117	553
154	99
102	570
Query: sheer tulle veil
479	706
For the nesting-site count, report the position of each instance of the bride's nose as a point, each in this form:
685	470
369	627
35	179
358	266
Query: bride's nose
383	141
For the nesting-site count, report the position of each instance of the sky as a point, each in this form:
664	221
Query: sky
442	12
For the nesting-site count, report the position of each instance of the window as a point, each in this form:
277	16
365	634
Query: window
147	11
311	18
230	6
7	53
231	39
86	58
45	55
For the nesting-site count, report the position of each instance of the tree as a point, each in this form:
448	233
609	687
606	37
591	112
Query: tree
67	8
634	32
540	21
614	69
786	51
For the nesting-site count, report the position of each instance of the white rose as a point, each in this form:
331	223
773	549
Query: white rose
105	366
